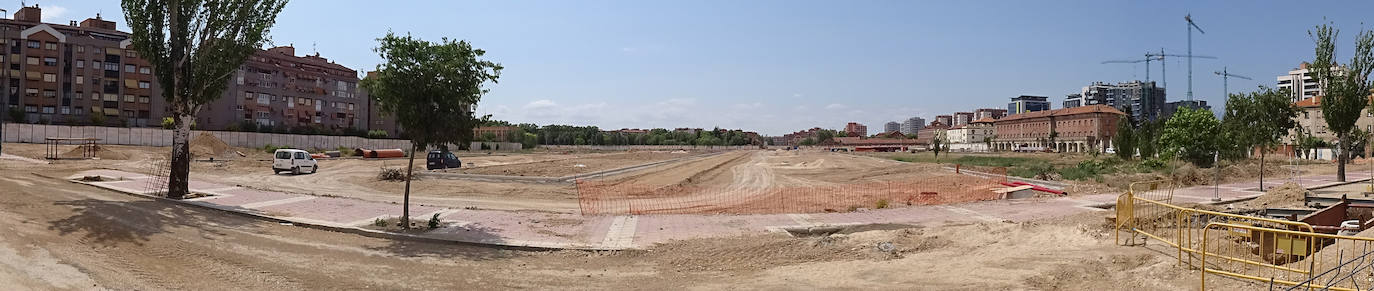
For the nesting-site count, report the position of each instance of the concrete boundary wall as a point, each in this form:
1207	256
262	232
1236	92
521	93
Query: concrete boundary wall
36	133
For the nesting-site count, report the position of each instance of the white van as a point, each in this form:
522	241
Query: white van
295	161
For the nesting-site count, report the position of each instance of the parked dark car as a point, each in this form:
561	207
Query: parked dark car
442	160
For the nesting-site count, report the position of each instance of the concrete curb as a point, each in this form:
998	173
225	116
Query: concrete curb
564	179
328	226
1241	198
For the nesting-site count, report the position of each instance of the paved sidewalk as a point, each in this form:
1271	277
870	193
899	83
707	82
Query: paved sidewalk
573	231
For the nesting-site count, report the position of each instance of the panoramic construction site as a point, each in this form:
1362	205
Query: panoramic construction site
721	214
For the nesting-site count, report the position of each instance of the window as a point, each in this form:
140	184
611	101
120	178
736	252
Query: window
263	99
52	46
284	155
33	44
33	61
50	61
290	102
111	66
239	77
66	110
144	70
80	79
30	109
130	53
144	84
80	49
80	63
95	64
143	99
129	98
130	68
48	110
31	92
95	96
350	106
49	93
111	97
50	78
248	95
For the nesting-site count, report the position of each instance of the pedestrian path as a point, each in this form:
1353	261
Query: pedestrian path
574	231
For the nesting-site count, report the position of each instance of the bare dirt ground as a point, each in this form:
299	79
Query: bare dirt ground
61	235
560	165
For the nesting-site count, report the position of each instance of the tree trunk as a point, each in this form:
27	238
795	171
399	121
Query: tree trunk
405	202
178	179
1340	159
1261	187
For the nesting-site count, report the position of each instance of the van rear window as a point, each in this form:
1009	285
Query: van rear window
284	155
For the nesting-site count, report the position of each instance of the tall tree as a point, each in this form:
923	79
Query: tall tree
1346	88
1191	134
1124	140
1260	120
194	46
431	89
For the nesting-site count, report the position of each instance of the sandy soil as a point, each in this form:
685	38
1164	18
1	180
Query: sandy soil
68	236
565	165
61	235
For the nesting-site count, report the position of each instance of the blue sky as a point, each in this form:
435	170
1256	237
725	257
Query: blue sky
781	66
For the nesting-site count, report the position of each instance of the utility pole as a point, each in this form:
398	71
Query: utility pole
4	34
1191	26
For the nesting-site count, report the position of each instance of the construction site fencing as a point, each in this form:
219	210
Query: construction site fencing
38	133
599	198
1145	212
1286	259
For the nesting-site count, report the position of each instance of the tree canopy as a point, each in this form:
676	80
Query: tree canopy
1191	135
1346	88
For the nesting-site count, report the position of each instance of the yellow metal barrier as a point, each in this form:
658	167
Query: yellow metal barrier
1179	227
1290	258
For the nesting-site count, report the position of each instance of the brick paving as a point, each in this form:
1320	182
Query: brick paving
566	230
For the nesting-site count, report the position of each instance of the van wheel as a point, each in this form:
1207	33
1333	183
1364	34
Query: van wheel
295	170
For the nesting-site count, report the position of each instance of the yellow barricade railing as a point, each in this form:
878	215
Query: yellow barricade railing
1179	227
1287	258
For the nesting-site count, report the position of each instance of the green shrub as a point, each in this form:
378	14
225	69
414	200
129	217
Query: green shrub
271	148
379	222
391	174
882	203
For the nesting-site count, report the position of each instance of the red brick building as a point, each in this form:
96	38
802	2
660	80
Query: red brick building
1079	129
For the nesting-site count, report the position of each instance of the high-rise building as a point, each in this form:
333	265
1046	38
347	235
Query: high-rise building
1027	103
892	126
856	129
67	74
1300	84
962	118
946	120
1143	100
993	113
277	88
912	125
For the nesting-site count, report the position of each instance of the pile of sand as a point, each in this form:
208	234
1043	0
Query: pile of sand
1287	194
207	145
100	152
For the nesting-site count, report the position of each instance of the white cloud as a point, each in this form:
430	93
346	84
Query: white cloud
54	13
541	103
834	106
754	105
629	49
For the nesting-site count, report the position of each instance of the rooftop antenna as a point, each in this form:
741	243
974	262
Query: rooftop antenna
312	48
1191	26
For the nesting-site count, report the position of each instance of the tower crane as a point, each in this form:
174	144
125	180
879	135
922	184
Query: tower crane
1163	67
1191	26
1226	75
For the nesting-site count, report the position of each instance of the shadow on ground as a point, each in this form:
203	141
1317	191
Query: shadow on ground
113	222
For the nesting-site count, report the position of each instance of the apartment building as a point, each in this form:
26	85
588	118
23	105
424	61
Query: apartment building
911	125
1143	100
277	88
962	118
945	120
892	126
1300	83
992	113
856	129
76	73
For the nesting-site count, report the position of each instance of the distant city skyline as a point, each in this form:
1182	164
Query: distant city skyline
781	66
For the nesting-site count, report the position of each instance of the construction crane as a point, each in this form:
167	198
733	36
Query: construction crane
1226	75
1146	61
1191	26
1164	70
